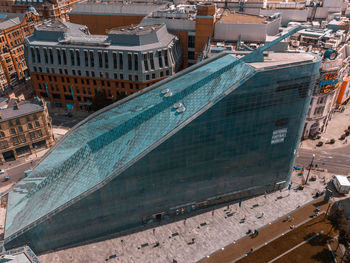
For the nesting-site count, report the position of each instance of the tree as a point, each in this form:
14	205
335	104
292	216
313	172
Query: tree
337	219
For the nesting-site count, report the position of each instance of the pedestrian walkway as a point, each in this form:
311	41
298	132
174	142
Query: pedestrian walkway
266	234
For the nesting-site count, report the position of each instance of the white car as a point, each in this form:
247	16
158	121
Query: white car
2	171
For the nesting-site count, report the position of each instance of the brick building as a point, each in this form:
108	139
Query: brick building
14	28
25	126
69	66
56	9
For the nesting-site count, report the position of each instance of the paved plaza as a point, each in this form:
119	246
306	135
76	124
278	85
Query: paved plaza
198	236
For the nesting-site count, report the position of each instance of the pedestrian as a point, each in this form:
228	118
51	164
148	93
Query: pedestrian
212	213
154	231
185	222
228	207
245	218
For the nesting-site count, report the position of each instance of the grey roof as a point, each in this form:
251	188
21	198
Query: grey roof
24	108
8	20
129	38
116	9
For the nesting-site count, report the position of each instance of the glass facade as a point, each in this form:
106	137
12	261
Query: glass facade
235	137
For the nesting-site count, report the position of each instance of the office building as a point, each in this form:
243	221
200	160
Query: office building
224	129
25	127
69	66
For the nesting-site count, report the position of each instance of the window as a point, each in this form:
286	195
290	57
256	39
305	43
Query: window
39	133
86	58
51	55
190	55
18	122
37	124
129	62
15	140
147	77
114	60
160	59
30	126
59	56
46	56
153	76
64	56
191	41
32	135
3	144
2	134
10	123
106	59
151	60
100	59
120	60
166	58
92	61
23	138
136	62
130	77
37	54
33	54
35	117
28	118
77	54
145	61
13	131
72	57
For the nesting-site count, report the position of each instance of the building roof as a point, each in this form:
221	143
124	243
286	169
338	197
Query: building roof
116	9
8	20
15	109
138	38
237	18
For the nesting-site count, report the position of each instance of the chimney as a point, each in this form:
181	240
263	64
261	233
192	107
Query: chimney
16	107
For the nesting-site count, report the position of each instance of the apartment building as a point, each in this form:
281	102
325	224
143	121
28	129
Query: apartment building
69	66
25	127
14	28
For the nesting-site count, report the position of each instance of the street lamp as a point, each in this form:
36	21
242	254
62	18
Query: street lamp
308	173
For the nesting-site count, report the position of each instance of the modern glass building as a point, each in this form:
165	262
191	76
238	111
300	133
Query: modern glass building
224	129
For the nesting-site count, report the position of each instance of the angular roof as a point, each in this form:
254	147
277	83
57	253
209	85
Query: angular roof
106	143
8	20
15	109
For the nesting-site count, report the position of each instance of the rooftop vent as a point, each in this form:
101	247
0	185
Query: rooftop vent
180	109
177	105
164	91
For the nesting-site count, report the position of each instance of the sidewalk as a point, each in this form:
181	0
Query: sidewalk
266	234
336	126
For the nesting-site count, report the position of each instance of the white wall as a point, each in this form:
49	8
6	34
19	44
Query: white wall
288	15
249	32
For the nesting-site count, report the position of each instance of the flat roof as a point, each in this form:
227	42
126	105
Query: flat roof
284	58
237	18
343	180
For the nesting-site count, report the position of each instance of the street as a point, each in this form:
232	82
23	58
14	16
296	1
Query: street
336	161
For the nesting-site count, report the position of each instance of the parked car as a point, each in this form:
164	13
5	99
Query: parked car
6	178
2	171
